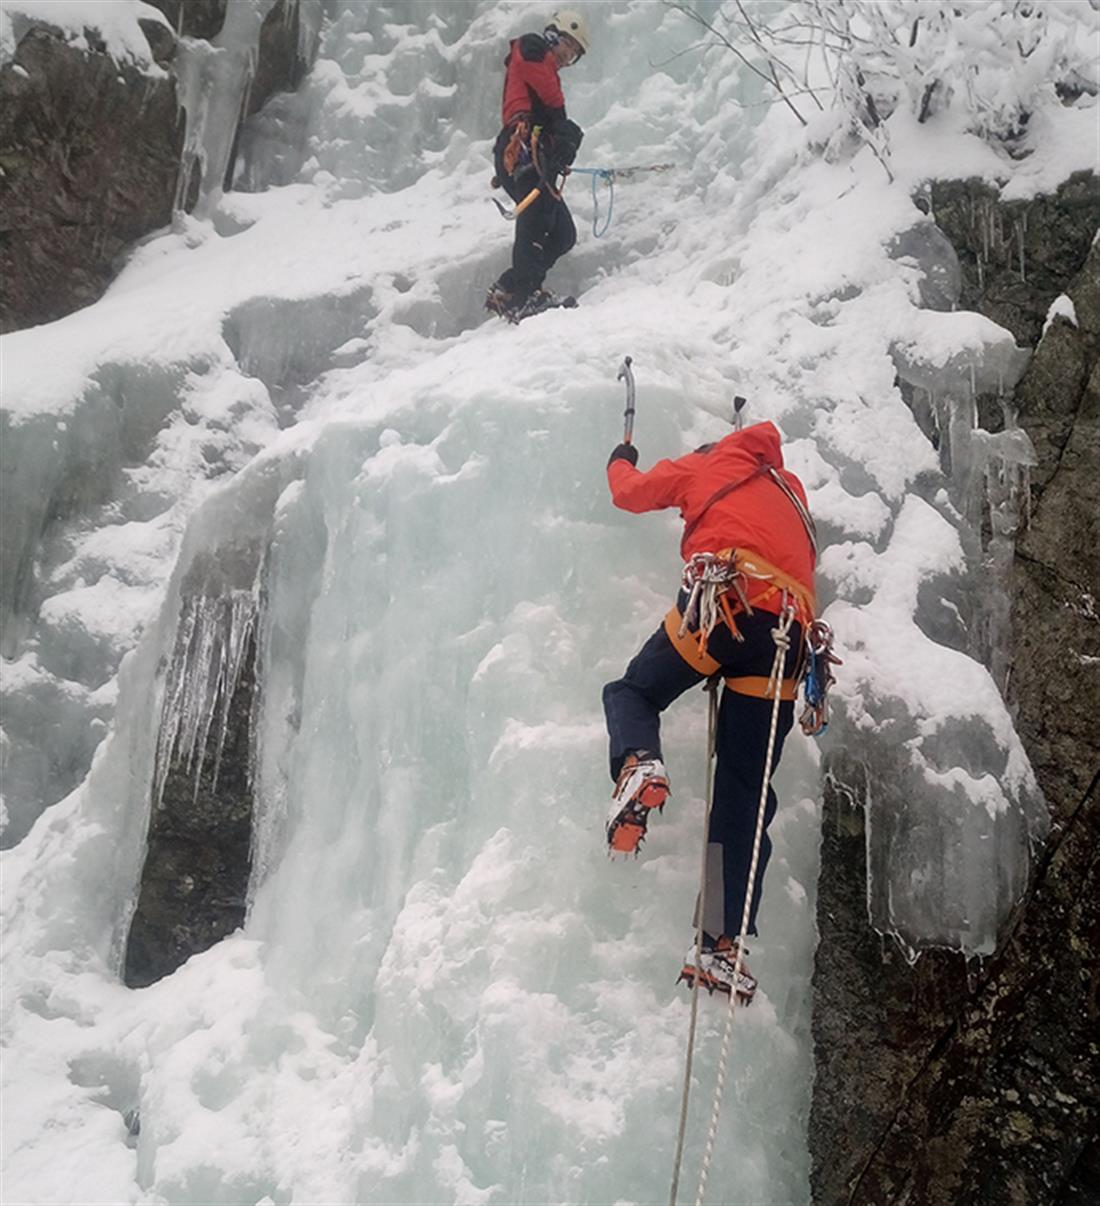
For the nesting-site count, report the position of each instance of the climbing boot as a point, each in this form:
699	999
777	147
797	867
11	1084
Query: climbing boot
502	302
641	787
716	967
542	300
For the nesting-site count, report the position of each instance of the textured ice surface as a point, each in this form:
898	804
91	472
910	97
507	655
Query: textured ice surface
443	992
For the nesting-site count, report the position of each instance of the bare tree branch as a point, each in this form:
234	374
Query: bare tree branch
772	78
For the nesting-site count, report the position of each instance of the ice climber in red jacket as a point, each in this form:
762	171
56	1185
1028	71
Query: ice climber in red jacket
749	533
536	143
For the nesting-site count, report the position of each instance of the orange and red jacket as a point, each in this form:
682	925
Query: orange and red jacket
756	517
531	82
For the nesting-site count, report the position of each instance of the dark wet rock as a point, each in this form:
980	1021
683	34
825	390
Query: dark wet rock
935	1089
942	1082
194	18
162	41
194	881
929	249
1055	685
1016	257
88	150
279	67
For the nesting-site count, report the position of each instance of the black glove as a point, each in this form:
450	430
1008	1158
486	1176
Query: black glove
568	137
624	452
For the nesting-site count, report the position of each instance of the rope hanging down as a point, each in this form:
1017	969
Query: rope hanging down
610	175
781	637
712	728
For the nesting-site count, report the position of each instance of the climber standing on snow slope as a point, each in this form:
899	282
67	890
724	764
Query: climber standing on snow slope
749	549
537	143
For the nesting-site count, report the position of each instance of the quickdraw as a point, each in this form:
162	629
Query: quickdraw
818	678
708	578
517	153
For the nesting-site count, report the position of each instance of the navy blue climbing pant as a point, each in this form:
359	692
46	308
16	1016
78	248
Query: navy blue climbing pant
655	677
544	231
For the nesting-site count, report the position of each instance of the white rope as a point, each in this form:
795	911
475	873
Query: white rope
781	637
712	724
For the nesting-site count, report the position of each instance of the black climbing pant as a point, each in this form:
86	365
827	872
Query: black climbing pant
544	231
655	677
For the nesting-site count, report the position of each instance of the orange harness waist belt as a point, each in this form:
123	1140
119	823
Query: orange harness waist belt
764	582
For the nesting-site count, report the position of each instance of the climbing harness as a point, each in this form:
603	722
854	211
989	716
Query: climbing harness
781	638
722	586
523	149
818	678
708	581
609	176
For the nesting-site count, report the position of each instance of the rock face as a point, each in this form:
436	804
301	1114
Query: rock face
195	879
939	1082
89	150
194	882
194	18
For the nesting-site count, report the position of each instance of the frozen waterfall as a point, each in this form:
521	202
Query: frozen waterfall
289	426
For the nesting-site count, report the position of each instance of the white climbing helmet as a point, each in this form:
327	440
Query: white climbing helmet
569	21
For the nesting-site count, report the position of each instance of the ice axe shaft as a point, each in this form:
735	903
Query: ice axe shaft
626	373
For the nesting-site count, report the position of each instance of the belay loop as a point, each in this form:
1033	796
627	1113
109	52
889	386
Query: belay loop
818	678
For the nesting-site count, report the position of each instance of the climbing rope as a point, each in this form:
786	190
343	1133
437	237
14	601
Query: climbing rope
712	728
607	174
610	175
782	639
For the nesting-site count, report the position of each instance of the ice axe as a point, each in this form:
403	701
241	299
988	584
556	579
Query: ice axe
738	413
512	214
627	374
545	182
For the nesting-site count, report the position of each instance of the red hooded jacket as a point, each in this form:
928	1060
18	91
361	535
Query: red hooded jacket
531	83
756	517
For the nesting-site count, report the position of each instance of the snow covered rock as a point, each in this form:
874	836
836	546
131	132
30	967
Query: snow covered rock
90	149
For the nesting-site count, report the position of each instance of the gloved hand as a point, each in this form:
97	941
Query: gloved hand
624	452
567	142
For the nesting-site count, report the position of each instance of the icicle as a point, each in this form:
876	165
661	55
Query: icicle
215	81
1019	226
211	642
311	15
